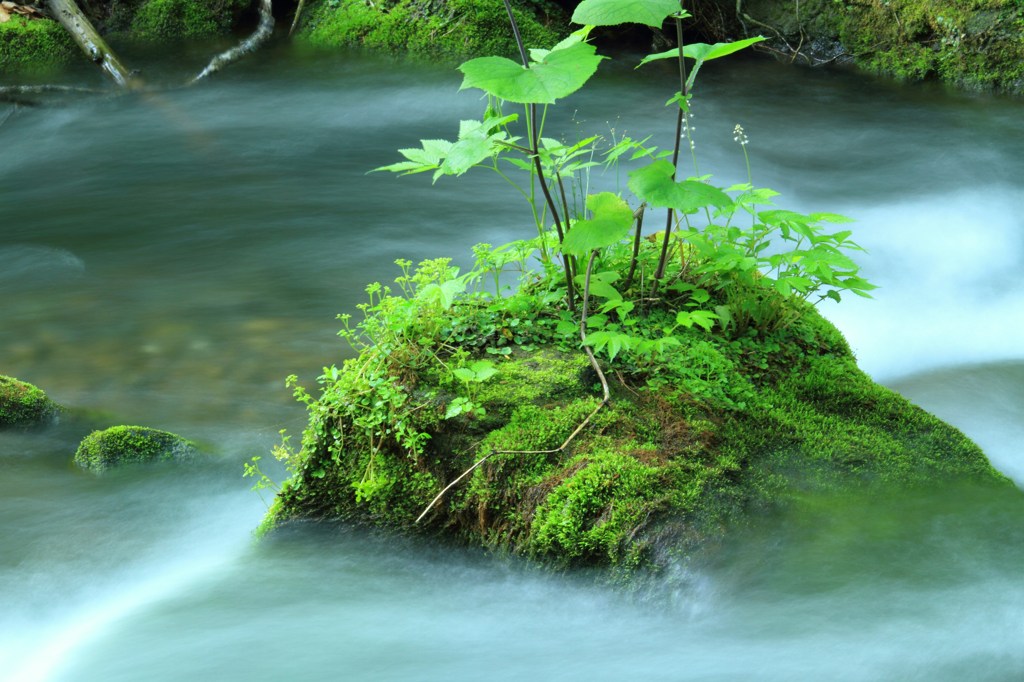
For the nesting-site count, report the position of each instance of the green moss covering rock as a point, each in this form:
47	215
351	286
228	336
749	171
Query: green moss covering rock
974	44
118	445
157	20
33	45
720	429
22	403
431	28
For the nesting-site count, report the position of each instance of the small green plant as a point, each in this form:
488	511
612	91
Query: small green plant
471	376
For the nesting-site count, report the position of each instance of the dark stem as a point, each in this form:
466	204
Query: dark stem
518	36
662	261
636	247
570	296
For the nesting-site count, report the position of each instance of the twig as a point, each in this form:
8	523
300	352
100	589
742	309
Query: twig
298	13
259	36
39	89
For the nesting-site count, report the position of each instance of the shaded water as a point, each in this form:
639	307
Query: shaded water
168	259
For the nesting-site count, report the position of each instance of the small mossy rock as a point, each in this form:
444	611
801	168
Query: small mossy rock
432	28
118	445
158	20
22	403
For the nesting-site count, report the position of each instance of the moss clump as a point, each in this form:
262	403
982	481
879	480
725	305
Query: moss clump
432	28
178	19
117	445
33	45
22	403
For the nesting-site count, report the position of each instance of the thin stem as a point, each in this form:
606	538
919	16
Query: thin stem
534	132
683	92
518	36
639	215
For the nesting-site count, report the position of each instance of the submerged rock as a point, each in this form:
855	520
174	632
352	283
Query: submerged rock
21	403
123	444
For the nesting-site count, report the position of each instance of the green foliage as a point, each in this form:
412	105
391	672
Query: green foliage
22	403
434	29
33	45
119	445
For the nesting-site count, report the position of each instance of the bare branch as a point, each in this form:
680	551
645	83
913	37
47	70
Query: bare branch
250	44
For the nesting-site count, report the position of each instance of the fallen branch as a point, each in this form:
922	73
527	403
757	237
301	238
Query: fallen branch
86	37
259	36
572	436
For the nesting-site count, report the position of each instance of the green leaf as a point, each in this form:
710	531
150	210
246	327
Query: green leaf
700	53
613	12
561	73
483	370
464	374
611	221
703	52
604	290
655	185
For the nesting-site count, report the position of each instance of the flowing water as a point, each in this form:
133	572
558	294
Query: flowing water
169	258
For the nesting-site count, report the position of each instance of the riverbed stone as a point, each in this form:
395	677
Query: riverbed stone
118	445
21	403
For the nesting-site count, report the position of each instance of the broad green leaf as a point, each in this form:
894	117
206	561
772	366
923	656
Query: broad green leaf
561	73
604	290
613	12
611	221
655	185
483	370
465	154
703	52
464	374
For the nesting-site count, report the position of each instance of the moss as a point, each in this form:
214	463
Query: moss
177	19
118	445
22	403
977	44
33	45
431	28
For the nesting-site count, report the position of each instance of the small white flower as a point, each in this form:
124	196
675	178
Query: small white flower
739	136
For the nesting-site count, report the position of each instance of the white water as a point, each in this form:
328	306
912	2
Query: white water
170	259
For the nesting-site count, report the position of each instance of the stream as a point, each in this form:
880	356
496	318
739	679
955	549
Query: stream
168	258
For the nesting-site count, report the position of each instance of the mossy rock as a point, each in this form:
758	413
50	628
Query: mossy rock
665	468
33	45
161	20
118	445
432	28
22	403
975	45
